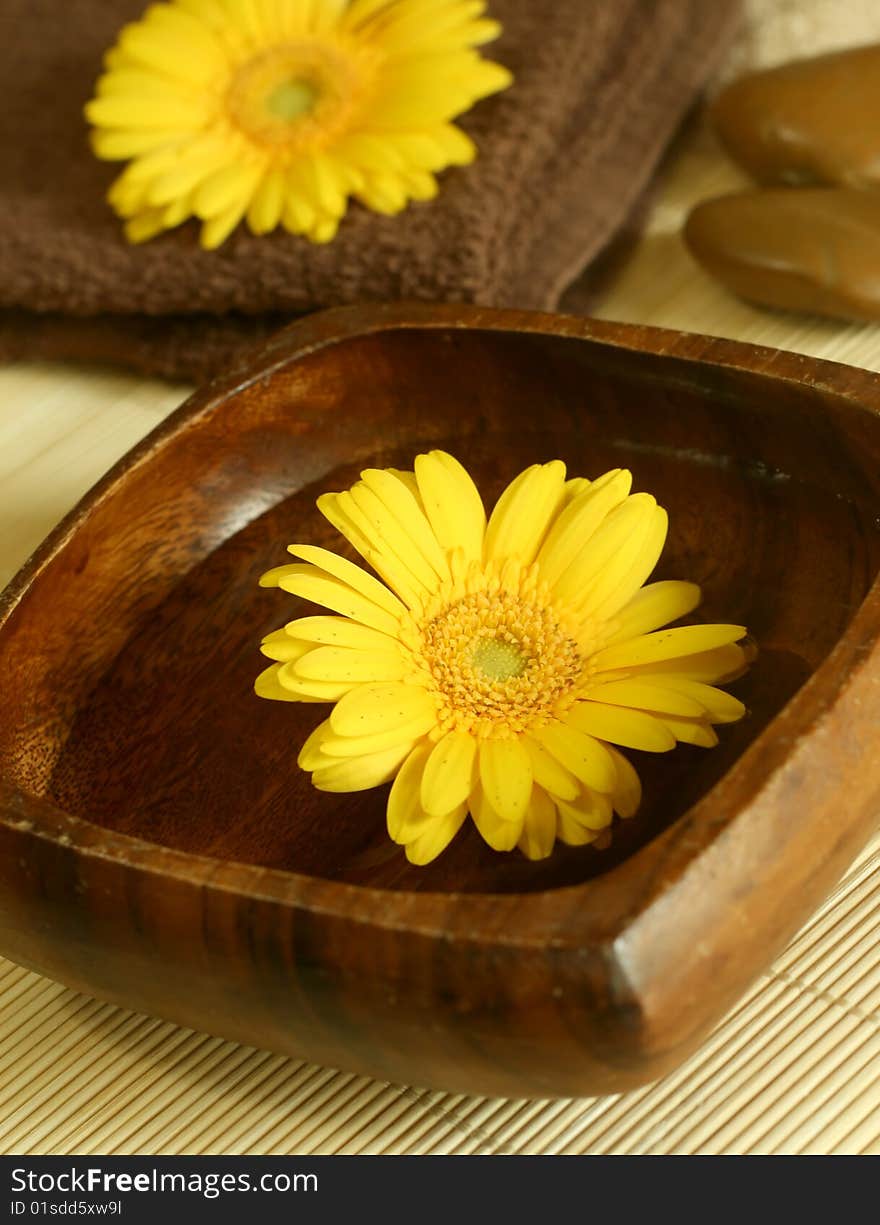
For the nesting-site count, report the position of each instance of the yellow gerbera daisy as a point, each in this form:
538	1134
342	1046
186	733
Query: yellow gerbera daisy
277	111
503	664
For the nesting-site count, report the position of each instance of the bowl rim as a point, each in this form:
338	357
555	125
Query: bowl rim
731	801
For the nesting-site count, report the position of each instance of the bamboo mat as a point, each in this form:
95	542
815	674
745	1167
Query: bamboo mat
795	1068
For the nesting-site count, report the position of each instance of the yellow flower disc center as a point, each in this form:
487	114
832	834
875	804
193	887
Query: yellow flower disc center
299	95
499	660
292	99
497	663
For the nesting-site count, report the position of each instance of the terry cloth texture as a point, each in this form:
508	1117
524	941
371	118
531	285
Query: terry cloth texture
601	86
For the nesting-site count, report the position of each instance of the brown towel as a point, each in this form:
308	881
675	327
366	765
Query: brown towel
600	87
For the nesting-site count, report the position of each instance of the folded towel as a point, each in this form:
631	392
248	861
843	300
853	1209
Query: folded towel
600	88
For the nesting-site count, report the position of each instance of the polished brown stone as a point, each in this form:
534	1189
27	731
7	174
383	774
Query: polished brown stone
808	121
812	249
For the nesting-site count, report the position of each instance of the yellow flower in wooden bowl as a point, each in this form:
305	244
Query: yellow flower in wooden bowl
277	112
500	666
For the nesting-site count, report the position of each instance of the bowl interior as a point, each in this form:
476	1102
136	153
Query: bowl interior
148	724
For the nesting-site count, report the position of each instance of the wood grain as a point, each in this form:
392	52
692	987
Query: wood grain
175	861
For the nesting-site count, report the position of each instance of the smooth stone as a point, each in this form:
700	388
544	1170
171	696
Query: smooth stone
808	121
816	249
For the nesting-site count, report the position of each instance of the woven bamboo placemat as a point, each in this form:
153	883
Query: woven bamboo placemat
795	1068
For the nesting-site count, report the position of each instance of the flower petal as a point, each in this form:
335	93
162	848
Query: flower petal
539	828
592	810
640	694
601	563
343	665
283	647
580	754
321	588
405	816
437	836
666	644
630	569
524	512
449	773
549	773
348	572
379	708
634	729
506	777
627	794
717	705
338	632
452	503
652	607
399	498
692	731
311	755
361	773
498	833
571	832
576	524
267	685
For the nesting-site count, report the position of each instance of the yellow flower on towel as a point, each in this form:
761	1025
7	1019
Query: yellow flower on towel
276	112
500	667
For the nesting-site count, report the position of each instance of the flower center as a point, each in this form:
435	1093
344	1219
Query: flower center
299	94
292	98
496	661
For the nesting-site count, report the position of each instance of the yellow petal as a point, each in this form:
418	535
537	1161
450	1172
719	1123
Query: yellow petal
379	708
171	114
311	756
722	664
315	690
264	211
580	754
449	773
654	606
389	533
321	588
539	828
506	777
335	746
574	527
452	503
347	572
217	229
666	644
281	646
436	837
501	835
267	685
341	510
641	694
549	773
692	731
571	832
524	512
627	795
344	665
630	569
401	501
361	773
717	706
405	816
338	632
602	562
634	729
593	811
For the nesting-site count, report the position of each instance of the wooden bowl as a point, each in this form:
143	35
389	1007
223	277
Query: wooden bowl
159	847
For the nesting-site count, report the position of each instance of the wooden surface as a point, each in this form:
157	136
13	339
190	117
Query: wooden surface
792	1069
147	802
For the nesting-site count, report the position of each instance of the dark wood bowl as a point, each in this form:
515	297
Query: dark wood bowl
159	847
